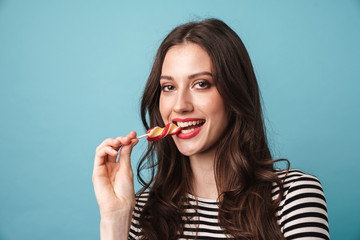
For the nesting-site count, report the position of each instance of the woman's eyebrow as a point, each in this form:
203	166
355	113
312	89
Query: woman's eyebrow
195	75
166	77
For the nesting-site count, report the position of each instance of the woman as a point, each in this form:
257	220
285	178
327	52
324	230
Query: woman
216	178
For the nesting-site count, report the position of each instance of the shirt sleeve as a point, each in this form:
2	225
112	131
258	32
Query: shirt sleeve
304	213
135	229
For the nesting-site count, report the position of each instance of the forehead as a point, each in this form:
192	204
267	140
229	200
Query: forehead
186	58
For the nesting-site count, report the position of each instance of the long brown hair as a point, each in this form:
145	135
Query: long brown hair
244	170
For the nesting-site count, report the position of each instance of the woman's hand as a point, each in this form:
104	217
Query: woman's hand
114	180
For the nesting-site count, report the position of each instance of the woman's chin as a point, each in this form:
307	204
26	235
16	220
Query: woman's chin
187	153
187	150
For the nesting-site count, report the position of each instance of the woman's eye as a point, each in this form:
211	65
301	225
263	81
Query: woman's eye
167	88
202	85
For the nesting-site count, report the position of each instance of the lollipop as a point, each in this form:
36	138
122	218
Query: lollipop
156	133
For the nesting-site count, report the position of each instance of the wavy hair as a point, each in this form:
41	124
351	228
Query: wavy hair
244	170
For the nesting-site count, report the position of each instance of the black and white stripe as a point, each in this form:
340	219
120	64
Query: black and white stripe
301	215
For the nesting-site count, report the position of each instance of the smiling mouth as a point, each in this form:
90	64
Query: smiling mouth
189	126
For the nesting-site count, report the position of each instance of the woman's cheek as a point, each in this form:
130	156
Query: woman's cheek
164	107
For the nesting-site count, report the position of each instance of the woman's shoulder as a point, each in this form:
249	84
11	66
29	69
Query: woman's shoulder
298	184
294	175
302	211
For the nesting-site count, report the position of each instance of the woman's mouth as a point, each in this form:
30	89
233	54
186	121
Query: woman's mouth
189	127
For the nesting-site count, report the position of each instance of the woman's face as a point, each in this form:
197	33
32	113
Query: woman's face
190	99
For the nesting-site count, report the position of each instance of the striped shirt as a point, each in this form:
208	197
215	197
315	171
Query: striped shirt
302	213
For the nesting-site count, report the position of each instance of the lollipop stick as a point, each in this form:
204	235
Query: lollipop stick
142	136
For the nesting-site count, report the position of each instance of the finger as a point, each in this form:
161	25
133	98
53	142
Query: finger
101	155
125	154
116	145
127	140
113	143
110	142
132	134
106	142
112	158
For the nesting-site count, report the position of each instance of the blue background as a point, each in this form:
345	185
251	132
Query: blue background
72	73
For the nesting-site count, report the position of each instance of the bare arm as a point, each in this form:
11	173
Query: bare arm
114	186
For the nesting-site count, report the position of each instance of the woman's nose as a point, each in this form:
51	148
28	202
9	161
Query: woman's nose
183	102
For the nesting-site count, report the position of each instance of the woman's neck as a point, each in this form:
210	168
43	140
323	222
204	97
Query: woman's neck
203	182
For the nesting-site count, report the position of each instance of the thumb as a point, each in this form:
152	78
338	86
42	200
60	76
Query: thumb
125	154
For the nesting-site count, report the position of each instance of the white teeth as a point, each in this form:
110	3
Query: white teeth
187	131
188	124
192	123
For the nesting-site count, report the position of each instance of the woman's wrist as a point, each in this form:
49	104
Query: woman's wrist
115	225
110	230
